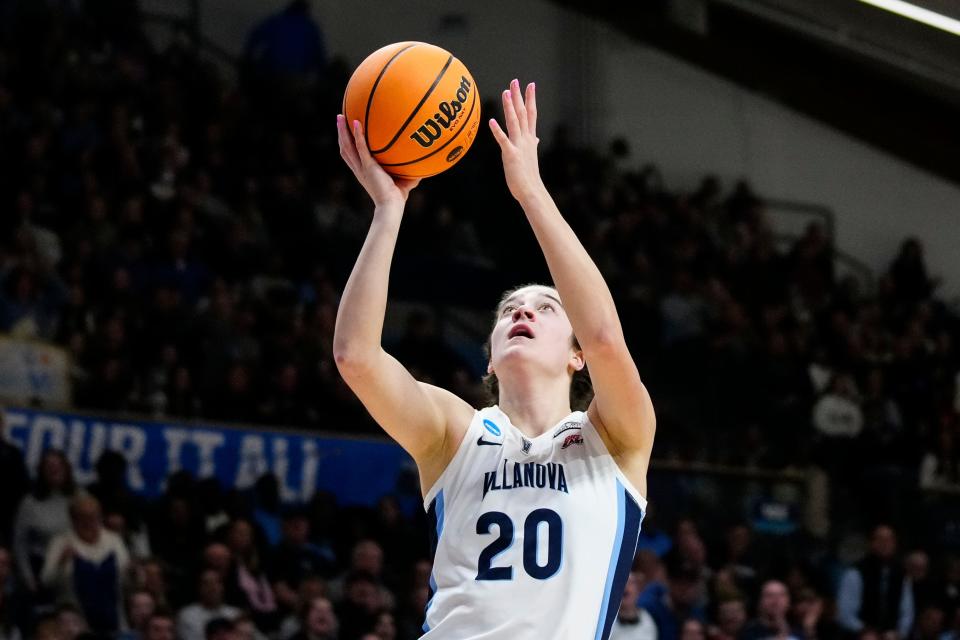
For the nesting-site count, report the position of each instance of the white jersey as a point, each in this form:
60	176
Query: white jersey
533	537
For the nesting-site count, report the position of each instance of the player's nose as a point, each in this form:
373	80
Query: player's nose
523	312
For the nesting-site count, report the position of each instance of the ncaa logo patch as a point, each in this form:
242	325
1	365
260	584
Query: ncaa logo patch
525	444
491	427
573	438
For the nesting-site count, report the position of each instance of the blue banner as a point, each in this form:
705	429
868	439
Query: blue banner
356	471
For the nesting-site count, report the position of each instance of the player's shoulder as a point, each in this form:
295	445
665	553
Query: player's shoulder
456	411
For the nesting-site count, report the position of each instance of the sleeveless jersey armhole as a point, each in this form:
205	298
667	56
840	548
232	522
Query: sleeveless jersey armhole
451	466
591	430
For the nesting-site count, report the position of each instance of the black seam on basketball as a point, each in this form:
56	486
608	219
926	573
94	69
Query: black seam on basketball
373	89
436	81
473	104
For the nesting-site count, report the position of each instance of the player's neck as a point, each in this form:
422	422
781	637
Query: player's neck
534	406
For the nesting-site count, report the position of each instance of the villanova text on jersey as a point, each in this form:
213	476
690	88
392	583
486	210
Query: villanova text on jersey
526	474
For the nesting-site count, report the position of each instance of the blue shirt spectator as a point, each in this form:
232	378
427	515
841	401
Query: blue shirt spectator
875	595
289	42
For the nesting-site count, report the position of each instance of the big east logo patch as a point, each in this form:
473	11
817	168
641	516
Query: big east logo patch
573	438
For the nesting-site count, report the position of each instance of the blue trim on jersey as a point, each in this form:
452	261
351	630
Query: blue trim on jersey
435	517
629	516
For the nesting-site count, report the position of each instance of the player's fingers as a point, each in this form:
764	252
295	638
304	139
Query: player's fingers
498	133
517	96
532	108
348	150
361	142
510	115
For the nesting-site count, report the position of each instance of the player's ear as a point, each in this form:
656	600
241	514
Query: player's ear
489	368
577	361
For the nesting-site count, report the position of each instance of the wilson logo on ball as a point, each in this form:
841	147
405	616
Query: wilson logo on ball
430	130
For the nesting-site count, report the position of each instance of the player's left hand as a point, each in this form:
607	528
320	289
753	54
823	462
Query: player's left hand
518	146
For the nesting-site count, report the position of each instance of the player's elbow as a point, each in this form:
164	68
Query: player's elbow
605	339
352	361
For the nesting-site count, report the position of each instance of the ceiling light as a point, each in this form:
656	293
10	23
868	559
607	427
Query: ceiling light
912	11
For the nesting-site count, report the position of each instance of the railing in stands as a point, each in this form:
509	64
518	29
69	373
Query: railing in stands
189	25
794	216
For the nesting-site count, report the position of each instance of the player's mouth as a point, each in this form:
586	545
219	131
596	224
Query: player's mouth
520	331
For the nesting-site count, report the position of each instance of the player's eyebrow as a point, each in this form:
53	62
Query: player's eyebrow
514	297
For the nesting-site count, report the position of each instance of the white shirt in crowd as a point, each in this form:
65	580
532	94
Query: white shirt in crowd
192	620
59	575
643	629
837	416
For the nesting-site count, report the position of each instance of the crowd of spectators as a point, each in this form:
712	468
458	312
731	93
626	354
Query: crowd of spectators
205	562
201	562
184	234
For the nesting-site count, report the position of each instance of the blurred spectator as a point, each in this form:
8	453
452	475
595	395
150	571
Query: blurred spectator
808	614
15	483
362	601
909	272
217	556
30	303
771	620
731	618
8	628
633	623
837	414
683	311
319	622
160	626
940	466
916	569
43	514
193	619
296	558
287	43
740	558
266	507
70	621
247	585
385	627
153	579
244	628
139	612
692	629
681	600
219	629
366	558
875	594
87	565
111	489
929	623
653	538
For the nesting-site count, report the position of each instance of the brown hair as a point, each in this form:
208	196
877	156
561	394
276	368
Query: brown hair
581	389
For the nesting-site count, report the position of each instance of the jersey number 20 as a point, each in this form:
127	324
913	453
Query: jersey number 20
531	543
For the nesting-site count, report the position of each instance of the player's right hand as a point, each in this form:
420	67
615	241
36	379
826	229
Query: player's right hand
382	188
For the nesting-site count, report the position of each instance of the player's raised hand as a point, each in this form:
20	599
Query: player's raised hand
518	146
381	186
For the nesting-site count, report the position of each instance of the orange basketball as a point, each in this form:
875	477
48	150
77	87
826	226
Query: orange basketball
418	105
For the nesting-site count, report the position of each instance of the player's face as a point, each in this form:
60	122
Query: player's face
532	325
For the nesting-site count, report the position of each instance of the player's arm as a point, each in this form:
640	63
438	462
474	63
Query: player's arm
621	404
415	414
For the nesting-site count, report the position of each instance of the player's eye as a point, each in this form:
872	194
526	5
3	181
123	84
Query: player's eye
546	305
508	309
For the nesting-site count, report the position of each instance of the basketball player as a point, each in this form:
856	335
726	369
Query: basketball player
536	509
